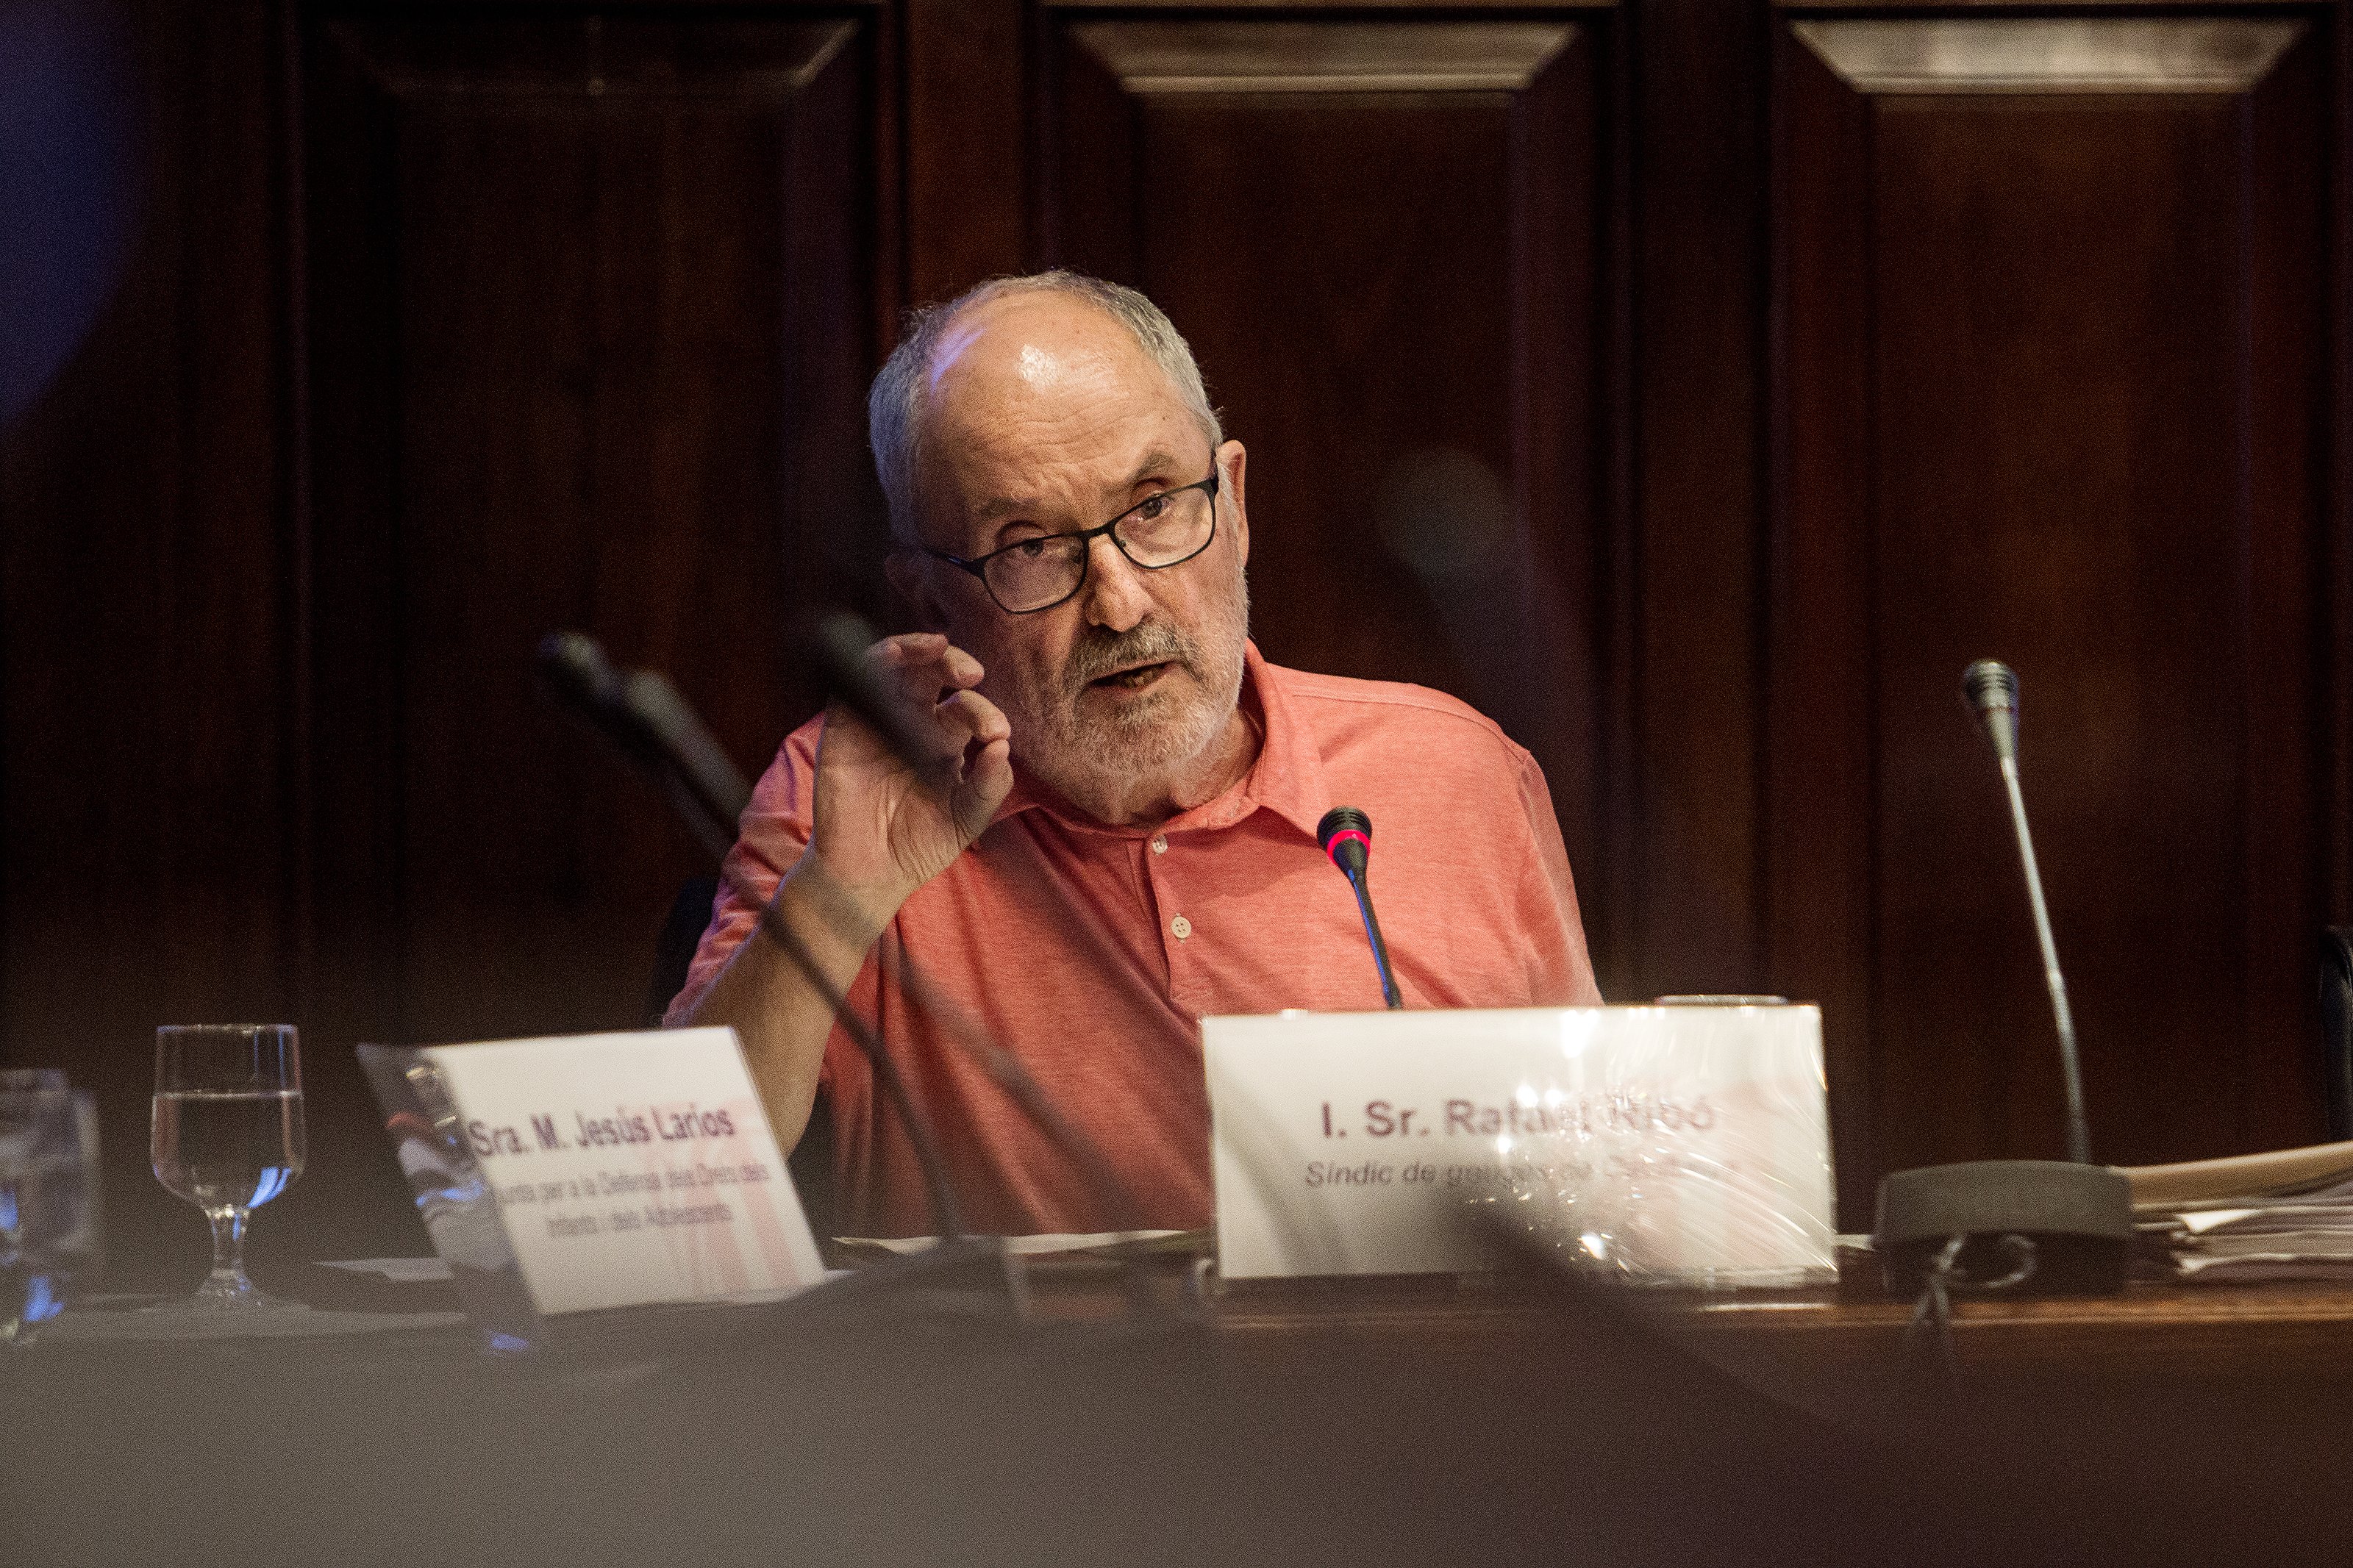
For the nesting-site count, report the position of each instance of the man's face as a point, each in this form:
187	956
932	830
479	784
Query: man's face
1046	417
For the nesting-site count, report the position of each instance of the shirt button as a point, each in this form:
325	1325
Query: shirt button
1160	844
1182	927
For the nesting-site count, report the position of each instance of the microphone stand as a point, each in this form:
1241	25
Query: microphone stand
2079	1134
1390	996
576	669
692	794
575	666
1345	836
2019	1227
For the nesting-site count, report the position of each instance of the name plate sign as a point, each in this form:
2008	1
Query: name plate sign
1671	1143
623	1168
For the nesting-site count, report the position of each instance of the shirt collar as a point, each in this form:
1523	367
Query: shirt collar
1287	778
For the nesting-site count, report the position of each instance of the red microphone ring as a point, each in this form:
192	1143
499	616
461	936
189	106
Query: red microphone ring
1333	848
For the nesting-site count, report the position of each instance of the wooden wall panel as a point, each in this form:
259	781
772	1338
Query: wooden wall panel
1389	243
2052	337
966	218
144	744
594	300
1695	879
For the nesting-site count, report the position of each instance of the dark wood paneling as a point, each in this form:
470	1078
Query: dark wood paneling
1695	884
1387	241
2053	390
593	303
143	737
2337	721
965	172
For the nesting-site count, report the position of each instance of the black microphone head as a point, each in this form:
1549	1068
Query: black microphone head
836	642
1991	689
574	666
1345	834
573	669
1342	819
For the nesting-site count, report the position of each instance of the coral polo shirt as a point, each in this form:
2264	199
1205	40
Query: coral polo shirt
1090	953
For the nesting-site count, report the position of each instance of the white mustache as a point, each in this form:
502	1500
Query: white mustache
1151	642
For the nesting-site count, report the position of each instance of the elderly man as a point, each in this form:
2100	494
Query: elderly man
1116	834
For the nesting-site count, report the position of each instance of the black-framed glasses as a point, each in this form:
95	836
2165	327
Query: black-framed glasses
1159	531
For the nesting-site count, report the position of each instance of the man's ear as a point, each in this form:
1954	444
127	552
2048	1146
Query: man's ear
1234	458
910	578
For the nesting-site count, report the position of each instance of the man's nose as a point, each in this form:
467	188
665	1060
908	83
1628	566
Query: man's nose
1115	595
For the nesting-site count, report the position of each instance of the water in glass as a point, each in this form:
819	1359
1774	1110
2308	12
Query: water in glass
227	1136
222	1149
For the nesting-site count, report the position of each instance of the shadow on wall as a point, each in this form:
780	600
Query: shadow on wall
1445	515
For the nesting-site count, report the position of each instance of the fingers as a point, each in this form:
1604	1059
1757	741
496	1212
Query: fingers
926	663
981	721
987	780
986	775
910	672
959	669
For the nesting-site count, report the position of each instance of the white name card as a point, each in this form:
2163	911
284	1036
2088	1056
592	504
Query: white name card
1675	1144
629	1168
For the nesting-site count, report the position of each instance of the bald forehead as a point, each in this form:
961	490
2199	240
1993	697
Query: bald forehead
1033	345
1043	406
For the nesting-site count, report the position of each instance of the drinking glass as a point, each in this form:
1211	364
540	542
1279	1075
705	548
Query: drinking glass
227	1137
48	1199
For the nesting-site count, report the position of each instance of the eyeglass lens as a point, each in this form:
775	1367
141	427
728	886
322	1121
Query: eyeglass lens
1162	531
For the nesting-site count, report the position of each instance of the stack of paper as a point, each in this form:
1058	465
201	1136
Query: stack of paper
2283	1215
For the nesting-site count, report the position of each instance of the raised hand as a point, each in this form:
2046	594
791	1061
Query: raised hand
885	824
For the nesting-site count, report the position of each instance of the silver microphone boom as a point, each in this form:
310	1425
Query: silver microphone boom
1991	689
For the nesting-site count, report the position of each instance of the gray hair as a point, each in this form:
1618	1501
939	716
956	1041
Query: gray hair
894	407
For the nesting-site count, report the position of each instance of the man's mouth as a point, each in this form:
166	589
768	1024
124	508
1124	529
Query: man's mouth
1135	678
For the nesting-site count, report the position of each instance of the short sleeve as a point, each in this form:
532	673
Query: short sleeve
1560	971
770	835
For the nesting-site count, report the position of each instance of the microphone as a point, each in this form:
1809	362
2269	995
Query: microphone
650	723
837	644
2027	1226
575	665
1346	835
644	717
649	699
1991	688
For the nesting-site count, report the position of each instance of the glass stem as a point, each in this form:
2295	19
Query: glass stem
228	1249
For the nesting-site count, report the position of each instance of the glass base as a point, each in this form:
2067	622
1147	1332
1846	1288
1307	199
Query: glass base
218	1295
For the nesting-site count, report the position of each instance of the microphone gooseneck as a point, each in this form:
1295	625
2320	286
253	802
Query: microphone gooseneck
1991	689
641	724
1346	835
836	644
702	764
2030	1227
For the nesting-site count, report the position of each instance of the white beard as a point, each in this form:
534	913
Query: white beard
1100	758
